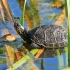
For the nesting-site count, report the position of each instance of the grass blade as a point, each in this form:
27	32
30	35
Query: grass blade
68	15
23	12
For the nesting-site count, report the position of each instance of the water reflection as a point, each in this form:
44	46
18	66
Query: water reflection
3	49
38	12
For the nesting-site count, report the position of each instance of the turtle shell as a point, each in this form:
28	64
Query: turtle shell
49	36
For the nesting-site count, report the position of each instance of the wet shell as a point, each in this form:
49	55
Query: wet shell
49	36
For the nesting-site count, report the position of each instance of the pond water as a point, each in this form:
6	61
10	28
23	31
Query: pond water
37	13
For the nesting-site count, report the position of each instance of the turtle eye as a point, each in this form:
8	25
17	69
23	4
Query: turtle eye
16	24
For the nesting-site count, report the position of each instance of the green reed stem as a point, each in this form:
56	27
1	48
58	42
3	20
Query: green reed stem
68	15
23	12
60	59
66	51
42	63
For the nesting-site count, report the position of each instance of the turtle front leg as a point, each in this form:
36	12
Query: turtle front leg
34	46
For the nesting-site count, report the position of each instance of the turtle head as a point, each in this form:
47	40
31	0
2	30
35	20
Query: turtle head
19	28
22	32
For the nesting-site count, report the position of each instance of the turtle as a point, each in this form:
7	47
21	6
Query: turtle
44	36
